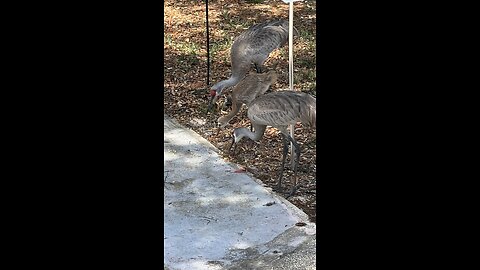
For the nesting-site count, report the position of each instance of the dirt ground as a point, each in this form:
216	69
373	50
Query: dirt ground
186	93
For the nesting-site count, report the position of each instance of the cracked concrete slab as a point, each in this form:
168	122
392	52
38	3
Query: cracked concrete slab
215	218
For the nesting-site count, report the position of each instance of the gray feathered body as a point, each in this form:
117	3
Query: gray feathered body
283	108
254	46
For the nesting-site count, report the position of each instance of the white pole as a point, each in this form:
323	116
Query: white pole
290	46
290	73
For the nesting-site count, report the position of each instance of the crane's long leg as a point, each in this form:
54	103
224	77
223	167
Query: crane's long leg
297	160
292	152
285	152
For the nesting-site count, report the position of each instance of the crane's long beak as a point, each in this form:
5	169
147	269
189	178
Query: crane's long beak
233	144
213	100
210	104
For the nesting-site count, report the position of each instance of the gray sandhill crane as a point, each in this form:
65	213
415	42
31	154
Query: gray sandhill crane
252	86
252	46
279	110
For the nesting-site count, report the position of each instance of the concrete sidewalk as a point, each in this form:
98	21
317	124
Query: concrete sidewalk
215	218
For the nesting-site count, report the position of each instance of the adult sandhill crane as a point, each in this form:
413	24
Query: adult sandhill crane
252	46
252	86
279	110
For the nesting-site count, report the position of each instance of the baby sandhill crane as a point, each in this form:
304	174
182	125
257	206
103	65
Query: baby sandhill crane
252	46
252	86
279	110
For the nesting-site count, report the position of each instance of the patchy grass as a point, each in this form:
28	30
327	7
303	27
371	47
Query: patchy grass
186	47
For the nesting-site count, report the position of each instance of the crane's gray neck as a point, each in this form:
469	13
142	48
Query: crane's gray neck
232	81
256	135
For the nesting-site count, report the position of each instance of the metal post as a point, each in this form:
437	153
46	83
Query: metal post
290	46
290	73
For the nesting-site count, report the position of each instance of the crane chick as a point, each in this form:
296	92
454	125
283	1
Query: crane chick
252	86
